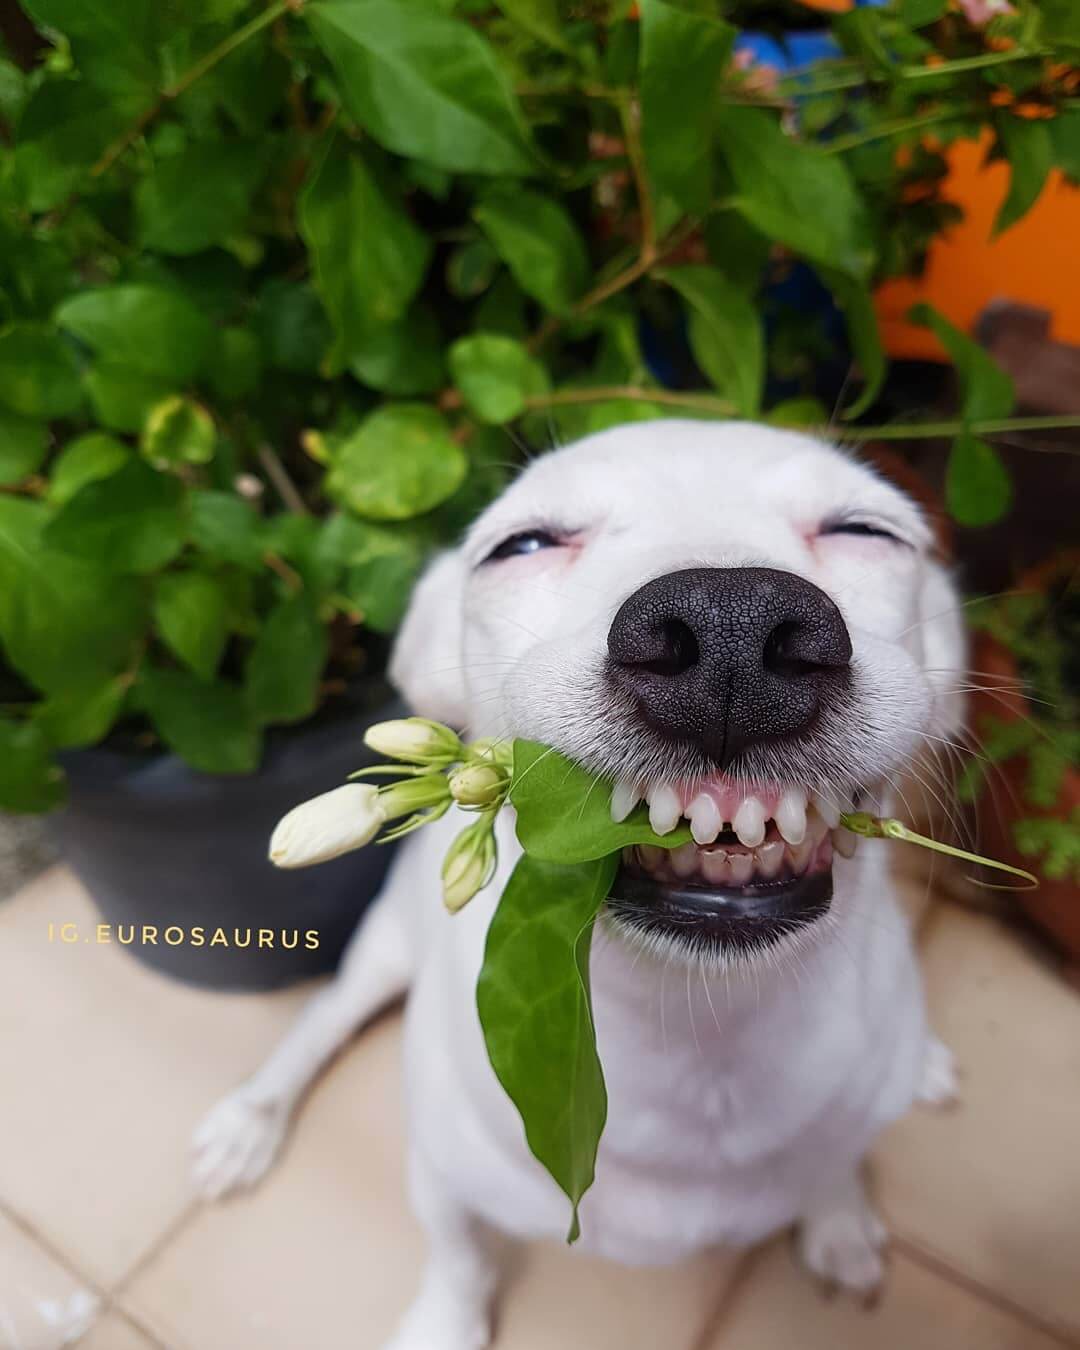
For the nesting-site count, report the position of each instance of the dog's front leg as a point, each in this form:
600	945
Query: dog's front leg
841	1237
453	1308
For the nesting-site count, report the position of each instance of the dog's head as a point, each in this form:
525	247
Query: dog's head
741	625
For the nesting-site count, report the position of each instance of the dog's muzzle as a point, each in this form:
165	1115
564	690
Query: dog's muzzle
724	658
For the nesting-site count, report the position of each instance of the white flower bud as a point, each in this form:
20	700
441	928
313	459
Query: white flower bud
414	739
469	865
479	785
327	826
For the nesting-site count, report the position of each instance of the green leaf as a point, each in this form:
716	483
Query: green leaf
133	521
424	84
73	718
494	374
62	133
199	197
1065	137
540	19
857	303
1060	21
38	374
683	55
1029	148
178	431
401	358
85	460
191	613
378	565
726	333
794	193
400	462
798	412
539	242
287	662
114	42
64	622
122	398
148	329
208	725
977	486
564	813
23	446
227	529
292	327
234	369
369	257
919	13
29	780
535	1008
986	391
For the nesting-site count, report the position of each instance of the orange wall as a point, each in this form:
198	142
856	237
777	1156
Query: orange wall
1037	262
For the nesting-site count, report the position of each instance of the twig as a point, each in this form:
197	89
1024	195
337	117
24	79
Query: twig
914	431
278	475
200	68
630	116
839	144
633	393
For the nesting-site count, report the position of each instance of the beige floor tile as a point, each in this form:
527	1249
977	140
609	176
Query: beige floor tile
115	1332
562	1300
780	1306
994	1185
324	1253
114	1065
41	1304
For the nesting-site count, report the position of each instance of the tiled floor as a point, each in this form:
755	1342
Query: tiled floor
106	1068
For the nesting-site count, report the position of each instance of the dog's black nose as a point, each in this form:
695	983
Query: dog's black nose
726	657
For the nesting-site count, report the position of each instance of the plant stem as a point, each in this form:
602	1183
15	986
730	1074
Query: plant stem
905	431
630	116
278	475
840	144
634	393
200	68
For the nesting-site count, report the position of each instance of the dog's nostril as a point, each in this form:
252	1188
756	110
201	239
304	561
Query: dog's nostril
785	652
680	650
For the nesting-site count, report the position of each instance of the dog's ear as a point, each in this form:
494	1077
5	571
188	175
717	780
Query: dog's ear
426	665
943	637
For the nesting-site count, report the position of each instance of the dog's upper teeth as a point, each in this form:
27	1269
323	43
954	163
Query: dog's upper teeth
790	815
624	797
665	808
706	821
749	822
828	808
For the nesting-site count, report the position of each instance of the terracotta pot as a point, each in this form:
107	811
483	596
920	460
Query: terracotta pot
1055	906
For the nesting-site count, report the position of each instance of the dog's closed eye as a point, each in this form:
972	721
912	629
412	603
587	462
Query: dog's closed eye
523	543
866	529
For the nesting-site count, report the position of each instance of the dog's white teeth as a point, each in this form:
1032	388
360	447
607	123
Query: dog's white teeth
749	822
716	867
845	842
706	821
684	860
800	855
790	814
742	867
624	797
828	808
770	858
665	809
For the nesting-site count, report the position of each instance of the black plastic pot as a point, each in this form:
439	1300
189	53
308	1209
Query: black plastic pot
162	847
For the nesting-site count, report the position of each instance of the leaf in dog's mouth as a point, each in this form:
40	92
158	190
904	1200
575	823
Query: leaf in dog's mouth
533	994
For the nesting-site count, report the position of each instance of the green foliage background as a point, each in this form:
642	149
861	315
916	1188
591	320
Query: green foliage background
283	288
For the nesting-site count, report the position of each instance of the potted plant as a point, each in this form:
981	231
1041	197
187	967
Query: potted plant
1026	716
283	288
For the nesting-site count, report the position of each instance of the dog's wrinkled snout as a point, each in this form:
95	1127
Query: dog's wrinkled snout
724	658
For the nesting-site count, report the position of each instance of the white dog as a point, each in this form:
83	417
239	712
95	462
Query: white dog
743	625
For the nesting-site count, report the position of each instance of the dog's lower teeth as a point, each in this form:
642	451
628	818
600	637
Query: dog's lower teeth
725	866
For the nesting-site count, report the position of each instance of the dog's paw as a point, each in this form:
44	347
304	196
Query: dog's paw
235	1144
843	1248
939	1084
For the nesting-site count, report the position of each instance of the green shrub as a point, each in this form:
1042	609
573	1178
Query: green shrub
284	288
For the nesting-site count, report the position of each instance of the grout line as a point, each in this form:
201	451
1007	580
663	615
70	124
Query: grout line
717	1315
936	1264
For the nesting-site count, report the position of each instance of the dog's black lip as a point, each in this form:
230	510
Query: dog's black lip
735	919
